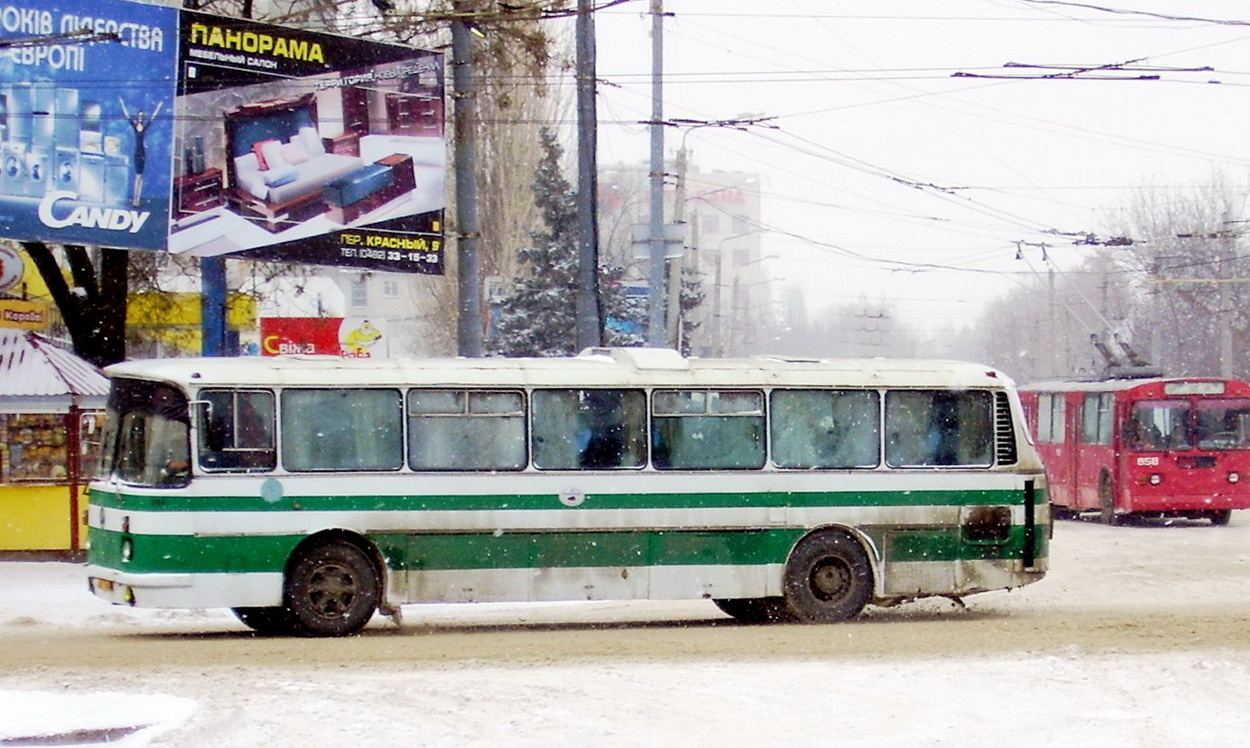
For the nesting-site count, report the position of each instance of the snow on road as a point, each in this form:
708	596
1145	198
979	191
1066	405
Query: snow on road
1144	665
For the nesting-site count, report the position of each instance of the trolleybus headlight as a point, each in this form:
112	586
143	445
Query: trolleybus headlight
1155	479
1233	477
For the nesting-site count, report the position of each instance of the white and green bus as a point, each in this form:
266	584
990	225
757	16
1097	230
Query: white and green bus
309	493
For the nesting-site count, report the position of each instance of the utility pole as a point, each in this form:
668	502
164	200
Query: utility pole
589	310
655	276
469	320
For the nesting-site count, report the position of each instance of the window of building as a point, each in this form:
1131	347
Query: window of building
360	291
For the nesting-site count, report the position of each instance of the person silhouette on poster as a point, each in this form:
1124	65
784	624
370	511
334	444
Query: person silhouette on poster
140	123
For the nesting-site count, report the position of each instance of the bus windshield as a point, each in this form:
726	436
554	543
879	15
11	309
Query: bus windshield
1223	424
149	445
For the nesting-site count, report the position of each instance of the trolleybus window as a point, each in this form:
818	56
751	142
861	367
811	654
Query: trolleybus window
707	429
1158	424
1096	417
342	429
1051	417
237	430
939	427
466	430
826	428
589	428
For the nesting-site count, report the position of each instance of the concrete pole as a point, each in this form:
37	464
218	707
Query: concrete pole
655	276
469	321
589	306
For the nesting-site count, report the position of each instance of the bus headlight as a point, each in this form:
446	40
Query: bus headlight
1155	479
1233	477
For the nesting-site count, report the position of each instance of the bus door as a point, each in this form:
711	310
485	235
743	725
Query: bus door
1054	434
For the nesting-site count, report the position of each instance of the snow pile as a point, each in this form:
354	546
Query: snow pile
87	719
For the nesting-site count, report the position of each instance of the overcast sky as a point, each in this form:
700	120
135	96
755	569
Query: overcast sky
892	171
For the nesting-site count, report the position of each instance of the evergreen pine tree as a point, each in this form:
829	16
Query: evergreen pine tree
537	315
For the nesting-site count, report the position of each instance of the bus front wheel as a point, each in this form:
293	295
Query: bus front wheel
828	578
269	621
332	589
755	609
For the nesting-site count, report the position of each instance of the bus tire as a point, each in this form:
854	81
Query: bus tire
828	578
755	609
1106	500
1220	517
332	589
269	621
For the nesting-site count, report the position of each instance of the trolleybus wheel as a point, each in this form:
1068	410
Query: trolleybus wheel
332	589
828	578
1220	517
276	620
755	609
1106	500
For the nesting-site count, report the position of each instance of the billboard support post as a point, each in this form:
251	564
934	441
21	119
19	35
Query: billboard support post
213	306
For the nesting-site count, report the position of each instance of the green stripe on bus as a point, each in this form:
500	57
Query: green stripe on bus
176	554
494	502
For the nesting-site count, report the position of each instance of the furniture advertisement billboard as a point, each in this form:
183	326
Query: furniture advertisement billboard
146	127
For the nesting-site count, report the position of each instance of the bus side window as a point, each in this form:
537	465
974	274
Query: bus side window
589	429
466	430
342	429
707	430
939	428
825	429
236	430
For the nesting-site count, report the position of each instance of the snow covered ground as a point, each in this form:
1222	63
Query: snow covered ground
1138	664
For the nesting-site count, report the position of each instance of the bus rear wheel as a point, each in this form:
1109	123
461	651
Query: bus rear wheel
1220	517
755	609
828	578
332	589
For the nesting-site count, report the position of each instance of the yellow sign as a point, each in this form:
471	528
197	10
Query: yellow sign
24	315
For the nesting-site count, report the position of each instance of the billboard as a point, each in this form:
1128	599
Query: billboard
145	127
86	121
350	337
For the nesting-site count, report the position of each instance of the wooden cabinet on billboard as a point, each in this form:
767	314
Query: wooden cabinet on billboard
410	114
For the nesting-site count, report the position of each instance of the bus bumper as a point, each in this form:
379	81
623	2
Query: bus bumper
185	590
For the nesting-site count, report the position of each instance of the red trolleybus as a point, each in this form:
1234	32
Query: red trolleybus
1144	447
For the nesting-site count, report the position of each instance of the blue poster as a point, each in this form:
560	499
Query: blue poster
86	121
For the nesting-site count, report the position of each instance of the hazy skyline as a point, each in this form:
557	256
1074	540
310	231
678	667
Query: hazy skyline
898	165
